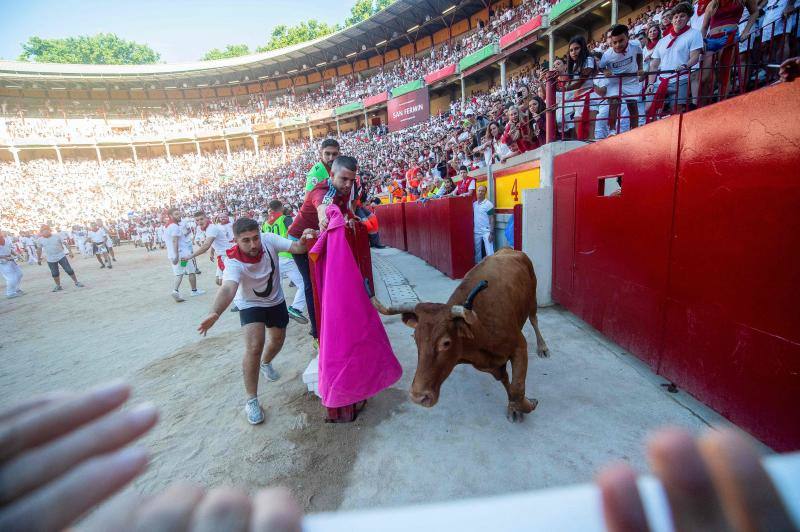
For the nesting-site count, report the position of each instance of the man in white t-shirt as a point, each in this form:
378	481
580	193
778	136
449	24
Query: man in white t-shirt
675	55
97	238
218	237
109	239
179	251
29	245
483	225
623	60
252	279
55	252
9	267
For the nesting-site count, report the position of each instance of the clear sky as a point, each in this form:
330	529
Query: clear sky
180	30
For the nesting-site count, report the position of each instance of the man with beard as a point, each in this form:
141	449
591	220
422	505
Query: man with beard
252	279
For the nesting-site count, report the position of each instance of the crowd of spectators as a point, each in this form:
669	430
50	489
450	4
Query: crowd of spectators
180	118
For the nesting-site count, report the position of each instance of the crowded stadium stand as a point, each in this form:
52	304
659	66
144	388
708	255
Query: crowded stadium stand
415	87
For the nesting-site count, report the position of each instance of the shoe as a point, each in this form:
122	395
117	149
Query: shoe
379	246
255	414
297	316
115	260
177	297
198	292
20	292
234	309
102	266
57	289
12	296
79	284
109	266
269	372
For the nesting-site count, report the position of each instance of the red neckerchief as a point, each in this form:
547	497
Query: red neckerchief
701	6
652	44
272	217
238	254
676	35
2	240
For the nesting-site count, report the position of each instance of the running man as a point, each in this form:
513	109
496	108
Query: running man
110	234
54	251
218	237
9	267
98	237
179	249
29	245
278	223
252	280
328	152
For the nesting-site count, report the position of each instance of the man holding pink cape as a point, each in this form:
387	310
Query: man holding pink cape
355	358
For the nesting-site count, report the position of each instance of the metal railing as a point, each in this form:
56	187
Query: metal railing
741	66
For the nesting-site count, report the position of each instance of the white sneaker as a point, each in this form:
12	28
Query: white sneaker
255	414
177	297
198	292
269	372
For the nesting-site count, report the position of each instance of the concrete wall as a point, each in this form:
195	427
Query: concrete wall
537	238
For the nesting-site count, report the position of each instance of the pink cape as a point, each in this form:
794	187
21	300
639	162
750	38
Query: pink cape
356	360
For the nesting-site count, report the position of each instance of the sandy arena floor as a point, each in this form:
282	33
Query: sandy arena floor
597	402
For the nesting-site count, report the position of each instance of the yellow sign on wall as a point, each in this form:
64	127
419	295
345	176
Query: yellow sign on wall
510	182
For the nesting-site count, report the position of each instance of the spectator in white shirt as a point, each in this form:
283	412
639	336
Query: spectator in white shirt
483	225
623	59
675	55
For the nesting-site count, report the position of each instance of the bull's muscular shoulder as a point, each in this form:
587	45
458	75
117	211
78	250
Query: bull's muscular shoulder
512	285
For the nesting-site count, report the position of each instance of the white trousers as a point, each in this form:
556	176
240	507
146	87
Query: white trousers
13	275
31	250
489	246
289	269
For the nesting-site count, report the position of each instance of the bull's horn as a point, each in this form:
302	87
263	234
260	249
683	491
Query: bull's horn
399	309
459	311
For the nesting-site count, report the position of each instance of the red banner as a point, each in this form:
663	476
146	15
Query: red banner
409	109
375	100
442	73
513	36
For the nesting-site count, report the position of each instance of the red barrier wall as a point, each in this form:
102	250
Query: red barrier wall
694	266
392	224
440	233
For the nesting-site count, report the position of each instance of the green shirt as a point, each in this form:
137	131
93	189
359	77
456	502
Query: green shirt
279	228
317	174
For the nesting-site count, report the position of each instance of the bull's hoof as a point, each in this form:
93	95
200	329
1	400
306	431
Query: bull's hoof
516	412
543	352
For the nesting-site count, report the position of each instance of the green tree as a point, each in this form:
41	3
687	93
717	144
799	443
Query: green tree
100	49
283	35
232	50
363	9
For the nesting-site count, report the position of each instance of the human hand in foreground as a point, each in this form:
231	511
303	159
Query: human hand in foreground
60	455
715	482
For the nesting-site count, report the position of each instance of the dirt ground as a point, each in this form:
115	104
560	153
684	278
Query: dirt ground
124	324
597	402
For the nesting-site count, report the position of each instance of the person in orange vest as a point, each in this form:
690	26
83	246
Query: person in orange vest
412	181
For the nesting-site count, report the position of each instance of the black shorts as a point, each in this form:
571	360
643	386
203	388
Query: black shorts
276	316
64	264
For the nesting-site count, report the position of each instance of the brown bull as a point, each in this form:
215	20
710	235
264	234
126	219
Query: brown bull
486	332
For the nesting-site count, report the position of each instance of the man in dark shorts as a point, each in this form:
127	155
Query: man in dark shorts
54	251
333	191
252	279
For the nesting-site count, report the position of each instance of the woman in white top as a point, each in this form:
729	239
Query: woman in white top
582	68
493	147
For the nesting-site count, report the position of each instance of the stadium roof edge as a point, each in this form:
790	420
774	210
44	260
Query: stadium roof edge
390	24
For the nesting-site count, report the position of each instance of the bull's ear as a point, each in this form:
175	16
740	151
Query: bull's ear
463	329
410	319
470	317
